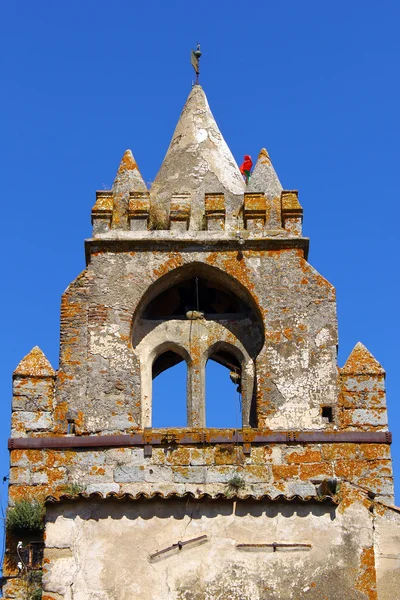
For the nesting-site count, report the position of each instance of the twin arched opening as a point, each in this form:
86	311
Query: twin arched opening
202	324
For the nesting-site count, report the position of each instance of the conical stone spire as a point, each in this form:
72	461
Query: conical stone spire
264	178
362	362
128	179
197	161
34	364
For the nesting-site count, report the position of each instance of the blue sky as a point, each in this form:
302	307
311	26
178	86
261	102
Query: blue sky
314	82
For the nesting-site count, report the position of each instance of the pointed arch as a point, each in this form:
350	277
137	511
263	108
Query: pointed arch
218	280
197	312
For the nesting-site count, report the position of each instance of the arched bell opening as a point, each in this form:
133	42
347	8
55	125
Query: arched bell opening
165	383
223	385
200	291
207	314
169	390
229	386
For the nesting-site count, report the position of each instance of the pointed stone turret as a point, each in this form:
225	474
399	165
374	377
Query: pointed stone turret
33	394
362	362
34	364
128	178
127	181
363	396
197	161
264	178
265	181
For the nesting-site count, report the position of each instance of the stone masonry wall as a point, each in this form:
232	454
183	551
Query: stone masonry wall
103	551
296	371
273	469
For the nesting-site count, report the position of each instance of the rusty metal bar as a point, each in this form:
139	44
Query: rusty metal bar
275	546
197	540
158	439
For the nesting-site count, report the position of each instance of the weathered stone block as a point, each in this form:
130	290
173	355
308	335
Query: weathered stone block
125	456
95	474
285	472
377	418
256	473
373	451
103	488
31	421
20	476
177	456
363	383
221	474
190	474
33	394
202	456
129	474
306	455
300	488
315	470
331	452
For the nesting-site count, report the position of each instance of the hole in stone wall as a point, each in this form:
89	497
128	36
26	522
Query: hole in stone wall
70	427
223	391
169	407
327	414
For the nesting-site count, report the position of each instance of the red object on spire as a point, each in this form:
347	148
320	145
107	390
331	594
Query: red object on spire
245	167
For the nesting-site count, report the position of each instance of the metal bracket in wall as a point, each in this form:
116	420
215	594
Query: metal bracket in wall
147	439
147	450
177	548
246	448
274	547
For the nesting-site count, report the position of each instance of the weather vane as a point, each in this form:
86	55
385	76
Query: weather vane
195	60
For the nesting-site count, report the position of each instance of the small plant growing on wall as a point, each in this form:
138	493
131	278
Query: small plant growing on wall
72	489
34	580
26	517
235	484
158	219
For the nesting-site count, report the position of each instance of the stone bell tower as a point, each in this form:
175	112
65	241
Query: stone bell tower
295	504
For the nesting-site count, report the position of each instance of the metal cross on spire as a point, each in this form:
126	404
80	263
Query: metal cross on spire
195	60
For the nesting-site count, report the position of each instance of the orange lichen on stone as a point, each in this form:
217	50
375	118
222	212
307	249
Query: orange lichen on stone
178	456
285	471
312	470
128	163
362	362
139	203
255	203
290	201
264	157
173	261
34	364
214	203
374	451
308	456
366	581
236	268
60	411
104	203
97	470
332	452
228	455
